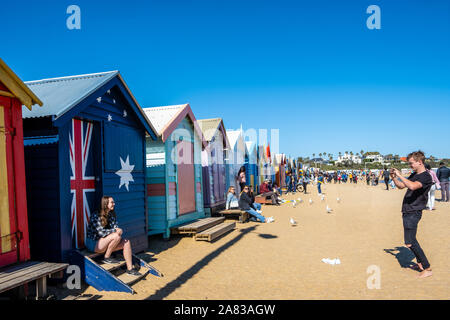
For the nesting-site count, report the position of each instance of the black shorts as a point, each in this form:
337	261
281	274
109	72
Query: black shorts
410	223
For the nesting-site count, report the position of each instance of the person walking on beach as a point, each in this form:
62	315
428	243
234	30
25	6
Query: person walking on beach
443	174
436	186
386	176
319	183
415	200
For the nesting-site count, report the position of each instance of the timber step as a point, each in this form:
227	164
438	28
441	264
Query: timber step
215	232
198	225
243	215
110	277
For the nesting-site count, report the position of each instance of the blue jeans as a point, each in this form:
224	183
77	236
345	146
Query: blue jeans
319	187
256	215
258	206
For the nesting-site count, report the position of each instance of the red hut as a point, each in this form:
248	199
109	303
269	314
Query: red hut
14	240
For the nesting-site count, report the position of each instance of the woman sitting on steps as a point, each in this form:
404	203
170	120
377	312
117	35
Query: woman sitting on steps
105	236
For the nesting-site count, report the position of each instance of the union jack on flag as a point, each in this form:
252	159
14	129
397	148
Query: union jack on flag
80	184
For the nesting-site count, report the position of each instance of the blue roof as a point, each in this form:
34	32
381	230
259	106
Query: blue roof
35	141
59	95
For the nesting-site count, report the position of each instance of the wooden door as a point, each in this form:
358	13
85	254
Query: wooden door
186	177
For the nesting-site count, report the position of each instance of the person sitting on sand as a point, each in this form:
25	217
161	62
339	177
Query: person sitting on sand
105	236
232	200
245	203
258	206
265	192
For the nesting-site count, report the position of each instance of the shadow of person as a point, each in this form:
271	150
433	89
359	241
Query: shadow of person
404	257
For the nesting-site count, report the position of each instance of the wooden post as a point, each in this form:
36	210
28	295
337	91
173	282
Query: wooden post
41	288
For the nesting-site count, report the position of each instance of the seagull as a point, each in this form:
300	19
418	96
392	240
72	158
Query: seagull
293	222
329	209
310	201
338	199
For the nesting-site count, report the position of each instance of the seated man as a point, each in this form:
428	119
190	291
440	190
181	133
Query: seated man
265	192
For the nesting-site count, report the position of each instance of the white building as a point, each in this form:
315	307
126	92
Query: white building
375	158
349	158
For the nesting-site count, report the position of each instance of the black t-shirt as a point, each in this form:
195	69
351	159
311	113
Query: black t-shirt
417	200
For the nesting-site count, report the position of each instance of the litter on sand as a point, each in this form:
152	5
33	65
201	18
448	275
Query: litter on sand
331	261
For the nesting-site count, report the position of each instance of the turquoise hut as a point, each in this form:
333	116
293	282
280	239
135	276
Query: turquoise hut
173	169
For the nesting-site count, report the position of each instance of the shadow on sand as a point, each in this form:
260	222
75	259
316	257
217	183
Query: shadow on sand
404	257
189	273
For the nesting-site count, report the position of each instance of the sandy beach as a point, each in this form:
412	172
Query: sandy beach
280	261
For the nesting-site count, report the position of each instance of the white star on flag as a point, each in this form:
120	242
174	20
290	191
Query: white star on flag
109	91
125	114
109	117
125	173
99	99
114	101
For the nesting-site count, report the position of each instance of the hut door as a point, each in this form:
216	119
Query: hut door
8	236
85	153
186	177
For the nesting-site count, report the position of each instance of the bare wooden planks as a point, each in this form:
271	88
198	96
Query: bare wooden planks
18	275
199	225
243	215
215	232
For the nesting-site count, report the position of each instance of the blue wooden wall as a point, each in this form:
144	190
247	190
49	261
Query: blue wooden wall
122	137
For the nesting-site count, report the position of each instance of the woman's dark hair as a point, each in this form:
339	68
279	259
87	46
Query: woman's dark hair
242	169
427	166
104	212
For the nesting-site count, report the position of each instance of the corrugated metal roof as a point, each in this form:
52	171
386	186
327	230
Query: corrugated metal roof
35	141
160	117
209	127
60	94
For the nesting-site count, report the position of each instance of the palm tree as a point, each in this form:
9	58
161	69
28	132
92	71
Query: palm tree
362	152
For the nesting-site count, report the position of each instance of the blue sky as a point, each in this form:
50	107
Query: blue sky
311	69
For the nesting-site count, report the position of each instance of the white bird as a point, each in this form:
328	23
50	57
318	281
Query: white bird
329	209
310	201
293	222
338	199
294	203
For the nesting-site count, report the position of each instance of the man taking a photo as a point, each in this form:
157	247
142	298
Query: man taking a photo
415	200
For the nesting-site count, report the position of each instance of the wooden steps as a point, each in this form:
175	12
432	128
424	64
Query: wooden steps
206	229
243	215
198	225
215	232
110	277
130	279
